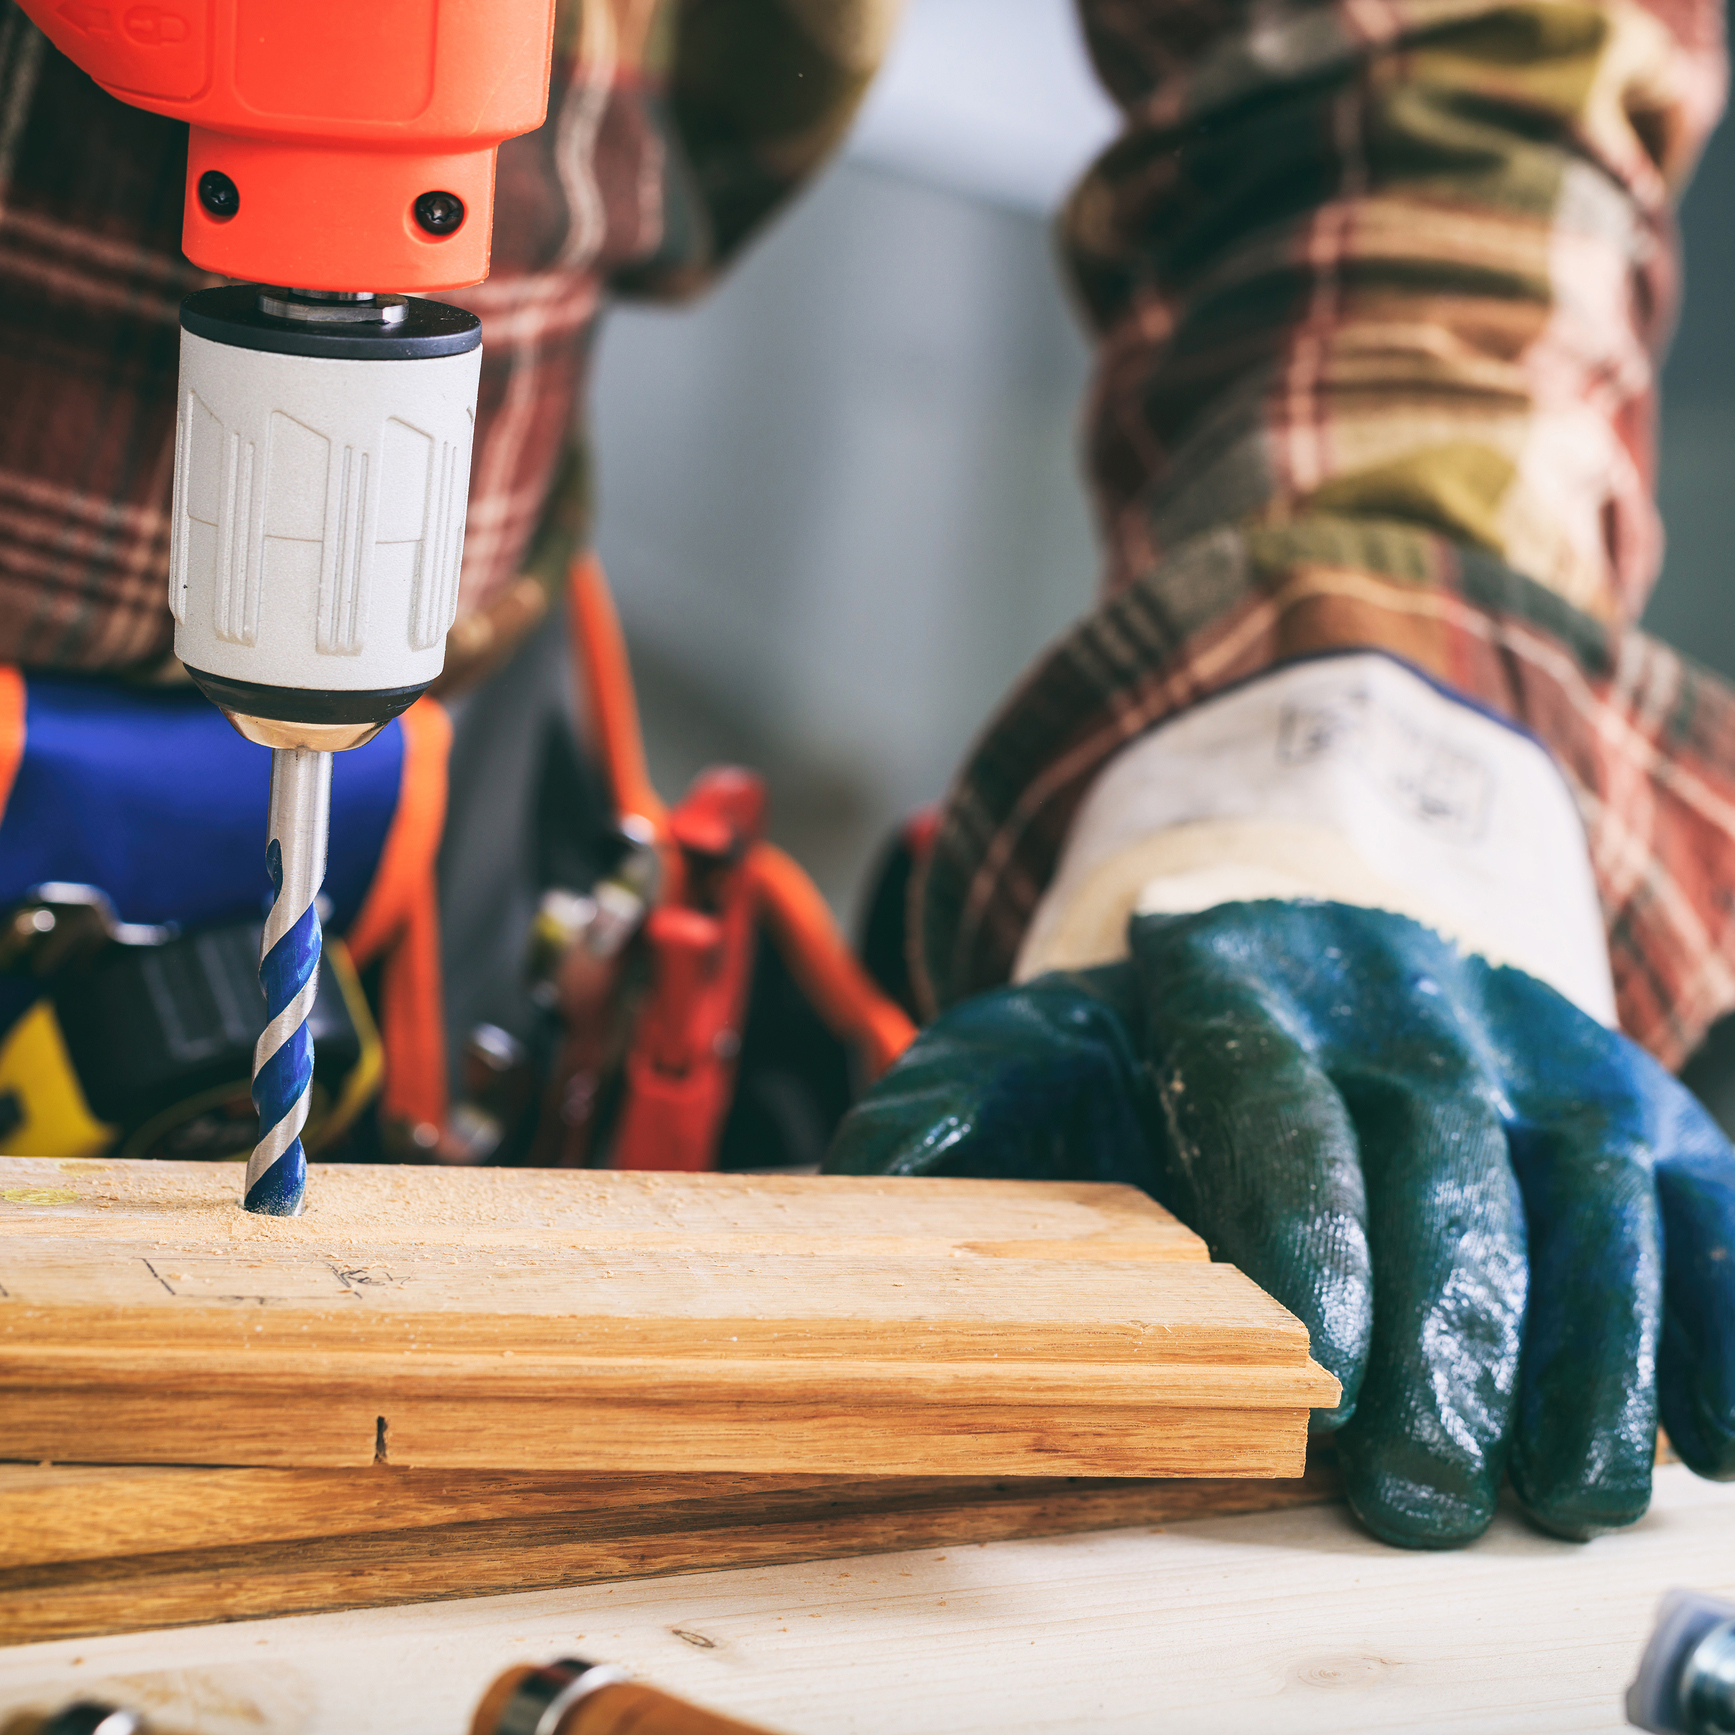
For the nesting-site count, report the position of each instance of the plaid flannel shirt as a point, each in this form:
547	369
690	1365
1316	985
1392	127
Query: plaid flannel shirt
1378	287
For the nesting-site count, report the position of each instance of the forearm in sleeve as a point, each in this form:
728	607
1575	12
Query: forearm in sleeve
1379	292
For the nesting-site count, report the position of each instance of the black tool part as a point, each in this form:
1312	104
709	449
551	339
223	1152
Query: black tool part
232	315
575	839
884	942
1710	1073
88	1717
219	195
153	1031
305	705
440	214
541	1691
793	1081
1673	1692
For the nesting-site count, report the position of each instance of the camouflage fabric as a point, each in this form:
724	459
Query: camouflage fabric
675	128
1379	289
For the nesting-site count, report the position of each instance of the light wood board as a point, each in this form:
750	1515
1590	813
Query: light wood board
89	1549
1291	1621
582	1321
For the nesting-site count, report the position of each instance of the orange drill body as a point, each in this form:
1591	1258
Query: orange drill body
330	119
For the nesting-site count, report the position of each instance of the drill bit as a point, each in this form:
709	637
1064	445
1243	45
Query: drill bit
289	973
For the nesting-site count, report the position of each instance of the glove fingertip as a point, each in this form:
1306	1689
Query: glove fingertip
1575	1527
1410	1514
1714	1466
1696	1358
1408	1496
1581	1513
1702	1439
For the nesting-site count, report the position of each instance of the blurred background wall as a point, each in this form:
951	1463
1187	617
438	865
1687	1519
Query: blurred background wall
1694	604
839	499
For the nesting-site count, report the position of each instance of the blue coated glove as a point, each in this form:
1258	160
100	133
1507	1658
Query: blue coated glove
1510	1233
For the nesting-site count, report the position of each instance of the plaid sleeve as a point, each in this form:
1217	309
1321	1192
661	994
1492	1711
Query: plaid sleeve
756	94
1379	289
91	275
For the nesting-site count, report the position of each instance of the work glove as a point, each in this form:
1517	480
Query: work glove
1509	1232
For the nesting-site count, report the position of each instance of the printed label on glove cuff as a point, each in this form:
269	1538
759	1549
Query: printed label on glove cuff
1352	779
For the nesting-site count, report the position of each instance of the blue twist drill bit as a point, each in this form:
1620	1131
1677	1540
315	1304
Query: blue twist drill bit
289	973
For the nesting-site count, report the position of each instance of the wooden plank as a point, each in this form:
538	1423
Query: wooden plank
1288	1620
532	1320
359	1206
111	1549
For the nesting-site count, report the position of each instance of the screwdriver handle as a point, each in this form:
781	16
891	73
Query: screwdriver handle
554	1701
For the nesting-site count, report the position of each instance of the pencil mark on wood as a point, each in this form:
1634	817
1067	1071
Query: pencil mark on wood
361	1276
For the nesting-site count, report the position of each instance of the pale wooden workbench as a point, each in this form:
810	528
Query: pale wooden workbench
1293	1622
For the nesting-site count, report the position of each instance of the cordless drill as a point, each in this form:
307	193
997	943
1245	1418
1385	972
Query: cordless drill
340	154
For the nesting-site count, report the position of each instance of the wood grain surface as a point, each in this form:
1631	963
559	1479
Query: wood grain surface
88	1549
1293	1621
561	1321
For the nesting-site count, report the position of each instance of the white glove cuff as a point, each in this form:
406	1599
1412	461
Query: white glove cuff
1351	778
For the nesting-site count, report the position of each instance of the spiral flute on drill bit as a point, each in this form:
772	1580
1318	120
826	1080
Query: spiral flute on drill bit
289	952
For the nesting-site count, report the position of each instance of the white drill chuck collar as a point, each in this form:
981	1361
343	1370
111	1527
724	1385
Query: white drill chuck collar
319	514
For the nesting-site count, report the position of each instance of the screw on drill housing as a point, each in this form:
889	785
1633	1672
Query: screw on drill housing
440	213
219	195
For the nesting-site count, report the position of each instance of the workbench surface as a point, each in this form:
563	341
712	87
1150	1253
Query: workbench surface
1291	1621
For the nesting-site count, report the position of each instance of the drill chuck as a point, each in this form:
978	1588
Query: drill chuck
322	466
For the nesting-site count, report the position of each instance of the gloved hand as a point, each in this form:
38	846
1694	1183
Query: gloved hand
1509	1231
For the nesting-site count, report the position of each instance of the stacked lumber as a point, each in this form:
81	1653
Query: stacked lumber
95	1549
441	1381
